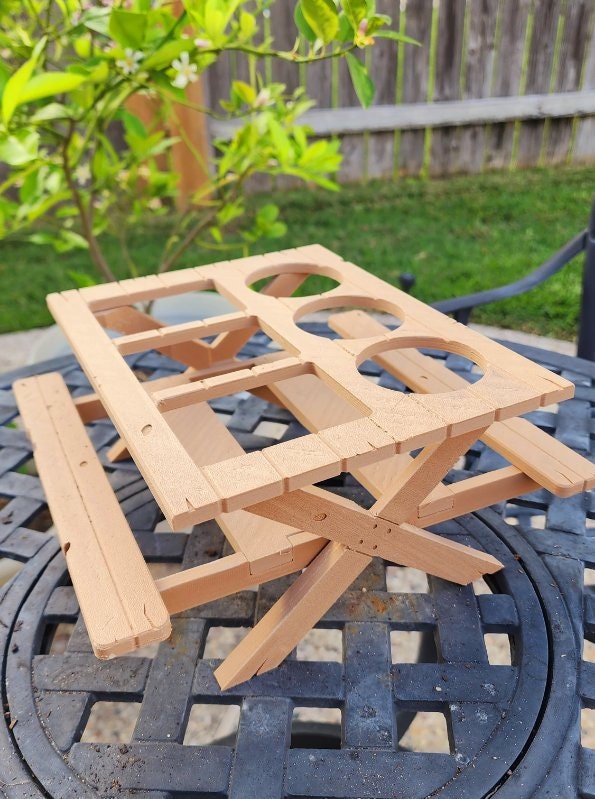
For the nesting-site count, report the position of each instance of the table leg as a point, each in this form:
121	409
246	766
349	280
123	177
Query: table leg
293	615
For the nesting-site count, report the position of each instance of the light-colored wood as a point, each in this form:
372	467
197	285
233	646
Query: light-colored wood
133	322
121	607
221	385
558	468
343	521
264	501
386	422
476	492
300	607
265	544
174	479
206	583
406	492
167	335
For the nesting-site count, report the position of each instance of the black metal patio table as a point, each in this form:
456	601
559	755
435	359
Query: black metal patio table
514	730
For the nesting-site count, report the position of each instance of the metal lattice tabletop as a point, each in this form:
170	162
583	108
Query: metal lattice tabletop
514	729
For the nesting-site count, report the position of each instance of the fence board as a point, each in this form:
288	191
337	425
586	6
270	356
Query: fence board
418	25
584	144
353	146
383	70
284	32
572	55
507	76
481	45
446	143
539	70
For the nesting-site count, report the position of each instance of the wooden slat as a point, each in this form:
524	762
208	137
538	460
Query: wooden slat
577	30
221	385
480	53
208	582
540	456
446	142
176	482
121	607
412	117
131	322
507	77
539	69
126	292
167	335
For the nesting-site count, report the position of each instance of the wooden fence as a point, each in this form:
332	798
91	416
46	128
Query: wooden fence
495	84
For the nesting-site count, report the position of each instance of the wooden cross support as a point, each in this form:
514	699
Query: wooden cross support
265	502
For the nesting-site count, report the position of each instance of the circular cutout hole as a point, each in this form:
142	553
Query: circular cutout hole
342	322
421	370
83	463
305	281
147	429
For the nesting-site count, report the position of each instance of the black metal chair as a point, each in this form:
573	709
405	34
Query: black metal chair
461	307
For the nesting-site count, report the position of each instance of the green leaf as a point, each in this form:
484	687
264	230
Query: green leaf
355	11
15	84
127	27
81	279
19	148
132	123
362	83
97	20
48	84
397	37
247	25
322	17
50	111
302	25
163	56
346	32
244	91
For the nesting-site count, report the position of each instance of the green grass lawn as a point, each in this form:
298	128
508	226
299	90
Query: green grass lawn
456	235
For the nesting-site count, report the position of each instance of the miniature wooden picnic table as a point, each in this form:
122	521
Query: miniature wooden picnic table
277	521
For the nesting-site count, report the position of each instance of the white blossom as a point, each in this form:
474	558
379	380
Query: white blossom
185	71
82	174
154	203
130	63
263	98
203	44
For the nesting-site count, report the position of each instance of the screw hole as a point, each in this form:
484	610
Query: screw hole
147	429
83	463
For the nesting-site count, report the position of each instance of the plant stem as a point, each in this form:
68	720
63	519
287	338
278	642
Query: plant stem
86	220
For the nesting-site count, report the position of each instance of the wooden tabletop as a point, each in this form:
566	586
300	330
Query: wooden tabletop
386	422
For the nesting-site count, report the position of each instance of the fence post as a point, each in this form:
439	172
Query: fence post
586	328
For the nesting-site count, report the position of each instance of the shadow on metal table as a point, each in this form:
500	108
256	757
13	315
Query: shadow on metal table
514	730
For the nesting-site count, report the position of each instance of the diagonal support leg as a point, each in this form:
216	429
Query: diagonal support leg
293	615
298	610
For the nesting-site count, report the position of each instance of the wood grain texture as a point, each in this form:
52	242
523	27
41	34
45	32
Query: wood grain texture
446	142
121	607
478	72
291	617
573	49
539	71
418	25
507	77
